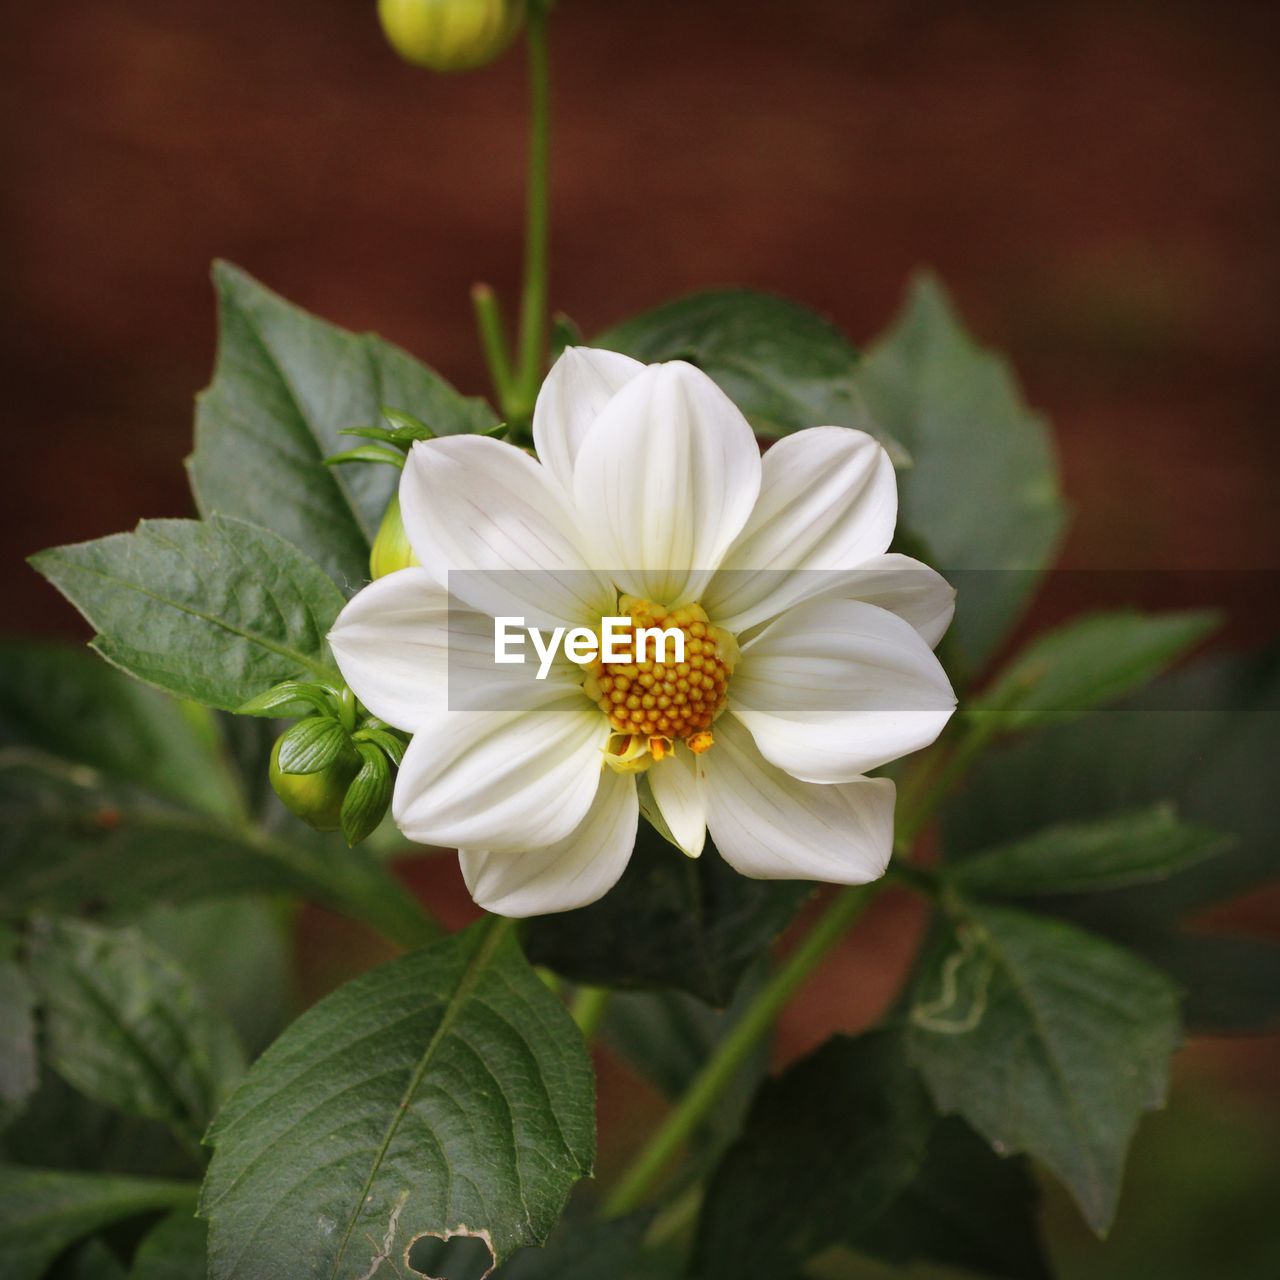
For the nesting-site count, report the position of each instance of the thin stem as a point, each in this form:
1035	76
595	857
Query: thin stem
588	1008
533	301
719	1069
735	1048
493	340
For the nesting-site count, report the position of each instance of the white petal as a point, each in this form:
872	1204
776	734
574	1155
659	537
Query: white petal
676	789
767	825
904	586
488	523
410	652
665	480
828	501
578	387
836	687
574	871
501	781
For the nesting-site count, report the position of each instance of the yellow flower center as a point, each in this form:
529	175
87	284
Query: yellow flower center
656	701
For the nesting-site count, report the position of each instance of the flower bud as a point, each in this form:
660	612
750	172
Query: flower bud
316	797
450	35
391	549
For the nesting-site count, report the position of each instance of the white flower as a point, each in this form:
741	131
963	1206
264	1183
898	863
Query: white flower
651	499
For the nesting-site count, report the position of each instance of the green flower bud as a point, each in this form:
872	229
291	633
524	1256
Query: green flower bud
316	797
391	549
450	35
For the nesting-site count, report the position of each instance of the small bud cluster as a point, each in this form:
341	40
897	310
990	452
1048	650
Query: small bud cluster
333	768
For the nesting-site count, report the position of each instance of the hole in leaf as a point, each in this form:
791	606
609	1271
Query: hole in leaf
461	1257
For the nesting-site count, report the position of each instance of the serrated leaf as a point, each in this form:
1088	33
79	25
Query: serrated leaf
827	1147
783	365
311	745
1203	737
126	1026
18	1073
1138	847
285	385
214	610
65	701
982	496
1047	1040
448	1087
367	798
174	1249
692	924
1089	661
44	1211
71	838
966	1207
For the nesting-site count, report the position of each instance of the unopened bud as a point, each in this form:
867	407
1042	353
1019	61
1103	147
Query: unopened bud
450	35
391	549
316	797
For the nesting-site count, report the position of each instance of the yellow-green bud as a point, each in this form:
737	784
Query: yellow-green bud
316	798
391	549
450	35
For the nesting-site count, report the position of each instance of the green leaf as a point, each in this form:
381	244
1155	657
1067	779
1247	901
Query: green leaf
312	744
828	1146
174	1249
783	365
250	983
1046	1040
212	610
1091	660
692	924
983	493
611	1250
448	1087
367	798
965	1208
1204	736
71	839
65	701
125	1025
18	1073
43	1211
1137	847
284	386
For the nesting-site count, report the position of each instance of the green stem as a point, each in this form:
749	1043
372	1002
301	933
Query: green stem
719	1069
533	301
588	1008
493	341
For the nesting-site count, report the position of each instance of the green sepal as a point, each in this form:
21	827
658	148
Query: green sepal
380	736
290	698
367	453
408	424
368	795
312	744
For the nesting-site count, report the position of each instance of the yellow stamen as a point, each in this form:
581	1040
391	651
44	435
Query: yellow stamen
700	742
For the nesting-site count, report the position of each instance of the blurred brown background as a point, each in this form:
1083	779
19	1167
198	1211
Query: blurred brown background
1097	181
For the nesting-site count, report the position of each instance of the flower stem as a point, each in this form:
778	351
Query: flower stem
735	1048
589	1004
719	1069
533	302
493	340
